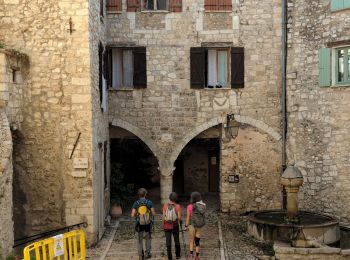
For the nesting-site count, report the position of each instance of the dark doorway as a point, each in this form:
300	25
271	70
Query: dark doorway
198	167
133	166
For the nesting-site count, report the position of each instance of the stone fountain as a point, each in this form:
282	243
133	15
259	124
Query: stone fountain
300	228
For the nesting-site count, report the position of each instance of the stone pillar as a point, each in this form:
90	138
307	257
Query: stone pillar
166	184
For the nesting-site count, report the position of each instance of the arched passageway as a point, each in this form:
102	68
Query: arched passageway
133	165
197	167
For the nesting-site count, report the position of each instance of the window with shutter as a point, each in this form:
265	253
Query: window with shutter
237	67
337	5
175	5
114	6
218	5
210	67
127	68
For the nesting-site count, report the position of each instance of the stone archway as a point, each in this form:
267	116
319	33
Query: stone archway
6	178
220	120
132	152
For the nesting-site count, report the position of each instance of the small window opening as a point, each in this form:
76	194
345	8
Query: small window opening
14	75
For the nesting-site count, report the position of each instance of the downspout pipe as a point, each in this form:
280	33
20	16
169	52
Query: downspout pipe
284	91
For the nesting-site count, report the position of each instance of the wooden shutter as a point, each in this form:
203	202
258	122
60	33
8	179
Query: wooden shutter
324	65
175	5
237	67
100	68
140	68
218	5
337	5
133	5
114	5
107	66
346	4
197	60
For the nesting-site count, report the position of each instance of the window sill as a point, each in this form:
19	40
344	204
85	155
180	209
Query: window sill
121	89
155	11
345	85
114	12
339	10
218	11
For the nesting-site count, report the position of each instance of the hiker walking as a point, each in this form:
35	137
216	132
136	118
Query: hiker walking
171	221
143	211
195	221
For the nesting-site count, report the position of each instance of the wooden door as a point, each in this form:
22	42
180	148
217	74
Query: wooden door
214	170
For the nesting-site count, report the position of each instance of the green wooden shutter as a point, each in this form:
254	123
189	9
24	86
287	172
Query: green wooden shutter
324	65
337	5
346	3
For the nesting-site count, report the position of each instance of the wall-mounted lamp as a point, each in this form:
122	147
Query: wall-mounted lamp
231	126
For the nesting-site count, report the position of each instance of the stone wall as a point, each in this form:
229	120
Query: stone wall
169	113
319	118
6	177
285	252
58	112
255	157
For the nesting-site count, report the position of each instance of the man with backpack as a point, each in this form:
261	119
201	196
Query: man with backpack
195	221
144	212
171	220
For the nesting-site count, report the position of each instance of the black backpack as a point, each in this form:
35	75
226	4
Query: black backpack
198	215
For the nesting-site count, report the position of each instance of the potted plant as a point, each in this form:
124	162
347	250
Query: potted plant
121	192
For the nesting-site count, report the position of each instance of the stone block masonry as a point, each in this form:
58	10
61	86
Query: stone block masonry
60	100
6	178
319	119
169	113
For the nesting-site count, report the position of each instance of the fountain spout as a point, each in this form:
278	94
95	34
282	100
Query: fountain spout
291	180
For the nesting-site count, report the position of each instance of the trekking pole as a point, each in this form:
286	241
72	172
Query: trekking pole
183	239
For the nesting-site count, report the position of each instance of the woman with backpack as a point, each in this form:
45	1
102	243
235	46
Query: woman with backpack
195	220
171	219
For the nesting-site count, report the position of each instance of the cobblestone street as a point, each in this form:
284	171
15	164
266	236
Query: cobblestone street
119	243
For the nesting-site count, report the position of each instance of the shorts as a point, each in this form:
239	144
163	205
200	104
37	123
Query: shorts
194	232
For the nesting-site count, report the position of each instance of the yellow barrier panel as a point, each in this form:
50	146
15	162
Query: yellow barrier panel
73	248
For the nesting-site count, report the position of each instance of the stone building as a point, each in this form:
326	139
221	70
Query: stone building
318	102
196	84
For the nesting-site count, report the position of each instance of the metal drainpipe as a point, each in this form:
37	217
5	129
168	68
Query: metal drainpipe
284	96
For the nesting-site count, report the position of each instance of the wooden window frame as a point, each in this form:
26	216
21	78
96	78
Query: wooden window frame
346	80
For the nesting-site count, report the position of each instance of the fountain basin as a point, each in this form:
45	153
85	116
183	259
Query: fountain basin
270	225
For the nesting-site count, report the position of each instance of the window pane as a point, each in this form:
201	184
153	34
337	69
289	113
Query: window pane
128	68
340	65
116	68
149	4
212	68
161	5
222	68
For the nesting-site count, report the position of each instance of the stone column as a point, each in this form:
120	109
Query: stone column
166	184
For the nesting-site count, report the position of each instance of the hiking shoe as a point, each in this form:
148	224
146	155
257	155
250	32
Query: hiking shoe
197	257
190	257
178	257
148	256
